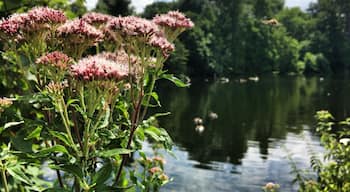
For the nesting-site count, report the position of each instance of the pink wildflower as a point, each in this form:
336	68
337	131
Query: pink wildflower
161	160
133	26
154	170
12	25
79	32
37	19
57	59
96	19
56	88
173	19
119	57
46	15
122	58
159	41
98	68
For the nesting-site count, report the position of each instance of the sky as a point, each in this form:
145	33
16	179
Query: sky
141	4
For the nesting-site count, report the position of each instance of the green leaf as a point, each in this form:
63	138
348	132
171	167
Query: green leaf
53	149
154	135
106	119
71	101
73	169
34	134
18	174
143	155
161	114
175	80
57	189
62	137
103	174
12	124
113	152
20	143
155	96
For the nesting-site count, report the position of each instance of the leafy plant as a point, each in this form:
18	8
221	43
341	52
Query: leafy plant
89	84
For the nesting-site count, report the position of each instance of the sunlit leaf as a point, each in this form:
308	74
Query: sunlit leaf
18	174
12	124
35	134
53	149
114	152
106	118
62	137
175	80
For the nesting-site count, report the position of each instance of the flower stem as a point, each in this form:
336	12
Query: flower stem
134	122
64	115
3	177
148	97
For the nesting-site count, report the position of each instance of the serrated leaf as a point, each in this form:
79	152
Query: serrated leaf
113	152
175	80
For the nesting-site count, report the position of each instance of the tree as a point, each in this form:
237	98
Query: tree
114	7
157	8
299	24
331	36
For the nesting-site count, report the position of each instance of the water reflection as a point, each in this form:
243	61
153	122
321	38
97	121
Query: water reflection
246	111
254	120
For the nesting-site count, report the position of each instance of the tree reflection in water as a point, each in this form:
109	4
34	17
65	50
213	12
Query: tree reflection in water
259	111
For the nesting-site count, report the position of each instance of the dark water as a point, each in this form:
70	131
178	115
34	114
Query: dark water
257	124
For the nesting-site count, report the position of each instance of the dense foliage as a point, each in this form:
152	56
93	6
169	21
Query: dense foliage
333	170
254	37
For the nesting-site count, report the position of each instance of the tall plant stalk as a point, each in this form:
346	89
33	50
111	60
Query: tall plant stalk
3	177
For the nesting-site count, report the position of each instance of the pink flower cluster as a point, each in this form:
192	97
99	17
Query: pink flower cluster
79	31
136	26
173	19
56	58
120	57
99	68
36	19
154	170
159	41
93	18
13	24
133	26
46	15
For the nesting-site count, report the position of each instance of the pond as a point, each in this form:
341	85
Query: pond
258	123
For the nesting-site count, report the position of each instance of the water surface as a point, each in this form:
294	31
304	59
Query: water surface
258	124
